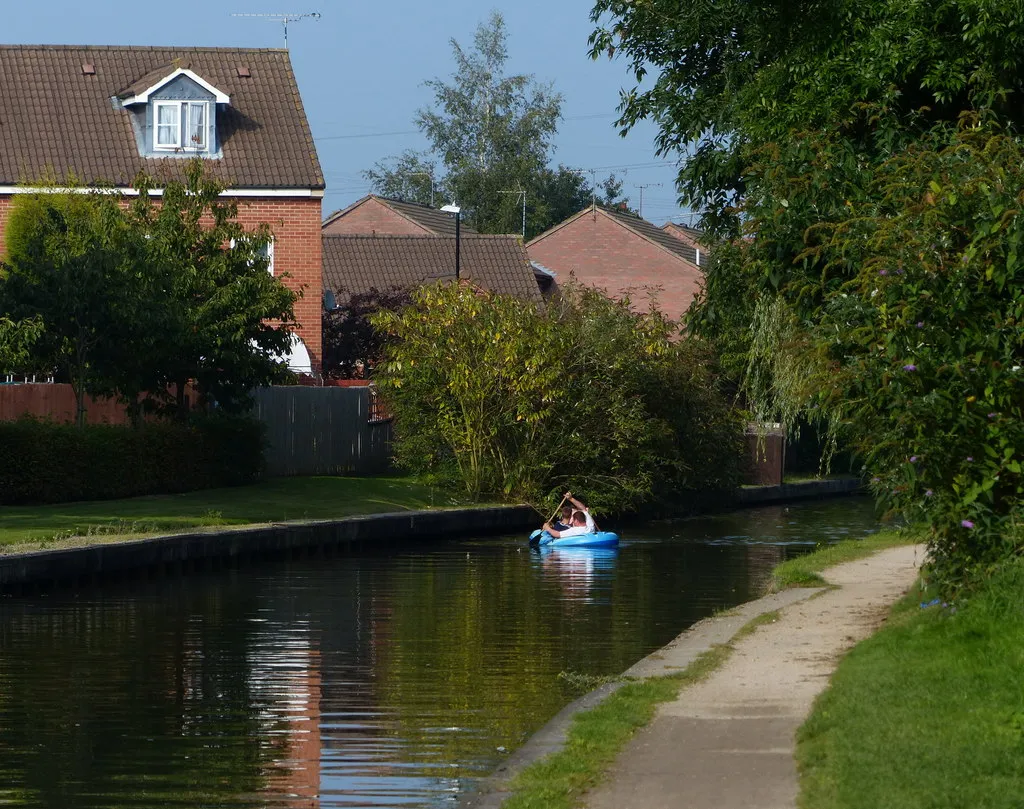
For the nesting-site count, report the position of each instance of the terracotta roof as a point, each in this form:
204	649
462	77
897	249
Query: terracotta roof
56	120
432	219
359	263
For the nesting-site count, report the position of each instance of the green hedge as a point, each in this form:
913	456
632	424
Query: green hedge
45	462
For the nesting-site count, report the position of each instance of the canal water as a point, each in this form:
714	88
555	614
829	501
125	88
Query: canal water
389	678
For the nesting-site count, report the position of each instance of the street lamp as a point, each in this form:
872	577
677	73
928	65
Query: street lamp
455	209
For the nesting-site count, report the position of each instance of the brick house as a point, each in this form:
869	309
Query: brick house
373	214
104	114
622	254
690	236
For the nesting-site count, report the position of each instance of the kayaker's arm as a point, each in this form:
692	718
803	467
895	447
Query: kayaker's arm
591	525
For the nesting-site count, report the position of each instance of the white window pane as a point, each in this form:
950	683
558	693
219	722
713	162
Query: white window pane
167	125
197	126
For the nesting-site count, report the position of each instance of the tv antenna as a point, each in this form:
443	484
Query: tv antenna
640	210
284	19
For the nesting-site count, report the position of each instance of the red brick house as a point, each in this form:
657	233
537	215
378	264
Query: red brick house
103	114
622	254
690	236
373	214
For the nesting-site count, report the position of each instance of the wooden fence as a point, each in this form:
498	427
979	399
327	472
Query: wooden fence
323	431
56	402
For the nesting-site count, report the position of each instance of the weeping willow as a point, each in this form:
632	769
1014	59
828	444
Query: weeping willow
782	381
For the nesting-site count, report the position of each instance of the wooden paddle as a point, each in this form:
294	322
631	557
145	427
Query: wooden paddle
536	535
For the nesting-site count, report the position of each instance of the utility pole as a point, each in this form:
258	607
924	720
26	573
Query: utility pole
284	19
640	210
520	193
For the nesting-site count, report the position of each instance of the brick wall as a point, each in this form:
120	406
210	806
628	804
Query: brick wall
687	237
603	254
374	217
297	252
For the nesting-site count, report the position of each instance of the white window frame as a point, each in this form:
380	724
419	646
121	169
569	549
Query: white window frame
166	147
270	254
184	115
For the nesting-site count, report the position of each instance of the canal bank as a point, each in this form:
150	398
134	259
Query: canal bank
182	553
101	555
729	739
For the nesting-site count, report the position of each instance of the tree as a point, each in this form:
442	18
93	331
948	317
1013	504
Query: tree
353	346
16	338
817	133
492	134
504	397
72	264
151	299
225	320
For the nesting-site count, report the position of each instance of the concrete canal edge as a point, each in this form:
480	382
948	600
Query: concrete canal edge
799	490
670	659
181	552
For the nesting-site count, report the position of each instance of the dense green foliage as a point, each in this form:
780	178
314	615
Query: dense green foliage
492	134
15	339
929	712
353	346
508	397
147	299
868	153
43	462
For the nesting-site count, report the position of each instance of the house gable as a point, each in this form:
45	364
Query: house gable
621	255
374	214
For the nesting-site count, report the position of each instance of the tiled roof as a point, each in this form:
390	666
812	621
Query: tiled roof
653	233
359	263
54	120
432	219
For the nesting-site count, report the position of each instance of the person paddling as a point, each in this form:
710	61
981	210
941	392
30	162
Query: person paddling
582	522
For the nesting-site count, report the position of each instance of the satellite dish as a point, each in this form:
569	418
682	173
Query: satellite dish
330	302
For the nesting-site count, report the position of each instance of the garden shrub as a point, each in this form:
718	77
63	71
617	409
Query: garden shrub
46	462
505	397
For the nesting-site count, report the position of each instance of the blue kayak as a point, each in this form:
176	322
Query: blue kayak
596	540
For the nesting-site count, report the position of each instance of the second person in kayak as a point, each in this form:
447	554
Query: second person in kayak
582	522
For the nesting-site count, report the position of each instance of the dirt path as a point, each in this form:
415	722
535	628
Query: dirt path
728	742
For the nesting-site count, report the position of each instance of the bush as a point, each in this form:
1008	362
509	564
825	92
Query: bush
507	398
44	462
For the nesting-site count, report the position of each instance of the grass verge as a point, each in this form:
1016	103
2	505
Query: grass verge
928	712
275	500
803	571
596	736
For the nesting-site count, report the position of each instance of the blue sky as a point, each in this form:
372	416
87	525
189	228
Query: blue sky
361	68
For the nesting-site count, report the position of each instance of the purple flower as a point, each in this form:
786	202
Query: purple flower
883	272
920	324
913	459
966	523
909	367
992	415
970	459
928	493
875	480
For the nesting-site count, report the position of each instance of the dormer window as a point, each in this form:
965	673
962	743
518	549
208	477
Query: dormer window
174	113
182	125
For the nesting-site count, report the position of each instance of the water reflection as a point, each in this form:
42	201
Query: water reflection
385	678
583	574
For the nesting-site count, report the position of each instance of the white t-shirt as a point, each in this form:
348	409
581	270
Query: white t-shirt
580	530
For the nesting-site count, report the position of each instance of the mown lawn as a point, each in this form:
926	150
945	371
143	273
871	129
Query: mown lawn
268	501
928	712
